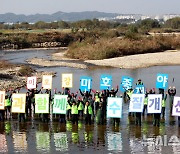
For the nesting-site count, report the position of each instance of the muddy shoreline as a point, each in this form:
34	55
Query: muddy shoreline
10	80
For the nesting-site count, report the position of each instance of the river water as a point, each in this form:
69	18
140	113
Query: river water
34	136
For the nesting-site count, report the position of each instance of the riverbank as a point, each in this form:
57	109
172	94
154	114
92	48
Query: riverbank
170	57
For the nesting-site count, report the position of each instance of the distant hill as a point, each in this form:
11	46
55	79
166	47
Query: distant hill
72	16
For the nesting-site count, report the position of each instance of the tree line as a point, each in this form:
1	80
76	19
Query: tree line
146	24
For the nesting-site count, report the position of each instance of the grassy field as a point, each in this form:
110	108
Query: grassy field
9	31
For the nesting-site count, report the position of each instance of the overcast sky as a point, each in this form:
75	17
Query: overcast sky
111	6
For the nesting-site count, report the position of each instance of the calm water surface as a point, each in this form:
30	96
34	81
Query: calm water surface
34	136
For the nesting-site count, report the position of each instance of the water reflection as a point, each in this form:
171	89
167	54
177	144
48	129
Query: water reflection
52	137
3	144
20	142
43	141
61	142
67	138
114	141
75	135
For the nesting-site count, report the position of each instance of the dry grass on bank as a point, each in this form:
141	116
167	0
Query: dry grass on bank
108	48
5	65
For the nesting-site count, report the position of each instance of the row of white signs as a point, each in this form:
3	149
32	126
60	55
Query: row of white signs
67	80
114	107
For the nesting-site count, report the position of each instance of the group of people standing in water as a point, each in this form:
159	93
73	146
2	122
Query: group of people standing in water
89	106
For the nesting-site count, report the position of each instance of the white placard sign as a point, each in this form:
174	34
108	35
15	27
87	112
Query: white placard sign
154	103
31	82
114	107
176	107
47	82
136	103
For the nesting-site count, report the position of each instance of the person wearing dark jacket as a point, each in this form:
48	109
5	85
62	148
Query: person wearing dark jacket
100	114
172	93
112	92
85	95
28	105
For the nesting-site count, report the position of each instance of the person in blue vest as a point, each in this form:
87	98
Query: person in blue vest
88	111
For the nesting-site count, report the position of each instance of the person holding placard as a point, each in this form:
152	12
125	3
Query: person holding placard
145	104
85	95
32	93
28	105
45	115
164	105
7	107
112	92
139	82
172	93
100	113
161	91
